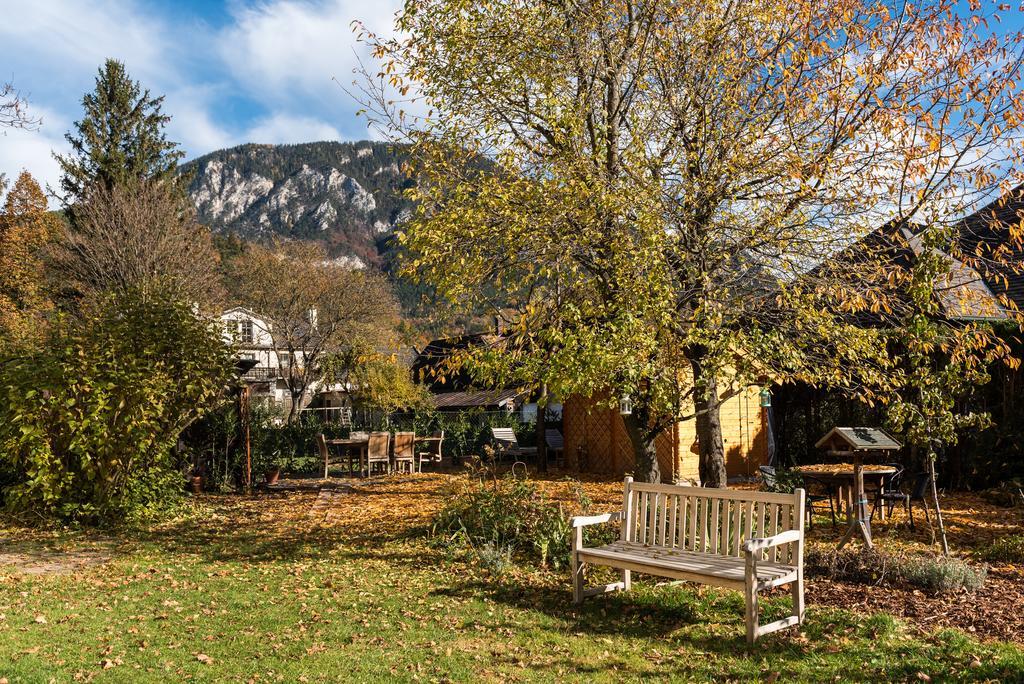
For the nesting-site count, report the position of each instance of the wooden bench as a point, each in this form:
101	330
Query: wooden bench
743	540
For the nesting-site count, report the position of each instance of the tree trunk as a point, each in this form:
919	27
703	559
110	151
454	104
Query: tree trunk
542	442
642	438
709	425
938	509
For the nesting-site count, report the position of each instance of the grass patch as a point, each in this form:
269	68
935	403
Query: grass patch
259	588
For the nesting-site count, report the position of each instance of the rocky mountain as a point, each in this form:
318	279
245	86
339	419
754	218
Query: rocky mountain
347	196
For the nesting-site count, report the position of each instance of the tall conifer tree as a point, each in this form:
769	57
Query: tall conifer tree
120	138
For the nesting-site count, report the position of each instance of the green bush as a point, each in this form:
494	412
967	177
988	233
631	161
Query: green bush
466	433
1008	549
508	514
933	575
942	575
89	422
786	481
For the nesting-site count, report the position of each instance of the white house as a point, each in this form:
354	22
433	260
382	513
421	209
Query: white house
268	379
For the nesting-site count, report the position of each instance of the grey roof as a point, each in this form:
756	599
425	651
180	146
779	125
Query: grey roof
476	398
862	439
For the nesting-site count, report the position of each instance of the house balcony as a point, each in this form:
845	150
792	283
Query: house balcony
262	373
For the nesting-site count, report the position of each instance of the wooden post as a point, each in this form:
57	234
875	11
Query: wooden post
627	527
859	521
243	413
750	596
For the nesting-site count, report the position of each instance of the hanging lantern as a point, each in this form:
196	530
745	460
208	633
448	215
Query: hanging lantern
626	405
766	398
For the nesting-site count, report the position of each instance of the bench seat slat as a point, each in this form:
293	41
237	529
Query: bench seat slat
728	568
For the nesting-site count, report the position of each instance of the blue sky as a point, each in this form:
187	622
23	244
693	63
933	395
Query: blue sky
232	72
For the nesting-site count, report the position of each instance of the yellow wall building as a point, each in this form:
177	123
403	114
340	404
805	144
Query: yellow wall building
596	440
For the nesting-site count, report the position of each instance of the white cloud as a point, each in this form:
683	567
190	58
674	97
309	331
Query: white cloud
33	149
77	36
265	77
192	124
284	128
293	47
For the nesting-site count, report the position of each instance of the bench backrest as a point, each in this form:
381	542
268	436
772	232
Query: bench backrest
505	437
709	520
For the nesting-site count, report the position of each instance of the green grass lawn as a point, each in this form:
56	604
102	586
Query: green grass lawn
257	591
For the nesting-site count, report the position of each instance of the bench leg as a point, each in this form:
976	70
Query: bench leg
797	588
576	565
577	583
627	580
750	599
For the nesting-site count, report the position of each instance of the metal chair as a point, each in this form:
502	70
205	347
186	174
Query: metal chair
377	452
922	482
432	452
768	477
405	451
817	492
771	482
556	445
889	493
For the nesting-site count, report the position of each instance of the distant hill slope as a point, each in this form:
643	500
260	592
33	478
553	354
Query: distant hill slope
347	196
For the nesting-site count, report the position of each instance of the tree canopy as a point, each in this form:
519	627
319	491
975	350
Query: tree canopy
666	175
120	138
27	228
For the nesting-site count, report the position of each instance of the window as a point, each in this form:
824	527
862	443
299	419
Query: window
246	336
284	359
249	356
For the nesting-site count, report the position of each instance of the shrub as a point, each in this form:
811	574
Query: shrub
89	422
942	575
933	575
496	558
510	514
1009	549
786	481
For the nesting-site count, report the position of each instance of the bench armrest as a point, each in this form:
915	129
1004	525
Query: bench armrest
762	543
585	520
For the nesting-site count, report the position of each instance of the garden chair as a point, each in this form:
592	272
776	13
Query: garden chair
377	452
356	452
506	444
890	493
922	481
405	451
556	445
431	452
325	454
818	491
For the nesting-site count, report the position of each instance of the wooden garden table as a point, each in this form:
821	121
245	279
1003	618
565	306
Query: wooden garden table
349	444
850	477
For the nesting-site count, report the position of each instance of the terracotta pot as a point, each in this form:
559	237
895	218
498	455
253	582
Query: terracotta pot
197	484
273	475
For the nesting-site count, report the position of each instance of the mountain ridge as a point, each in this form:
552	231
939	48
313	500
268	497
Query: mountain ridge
347	196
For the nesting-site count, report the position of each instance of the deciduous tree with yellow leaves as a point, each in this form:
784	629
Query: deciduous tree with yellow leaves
648	185
26	228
